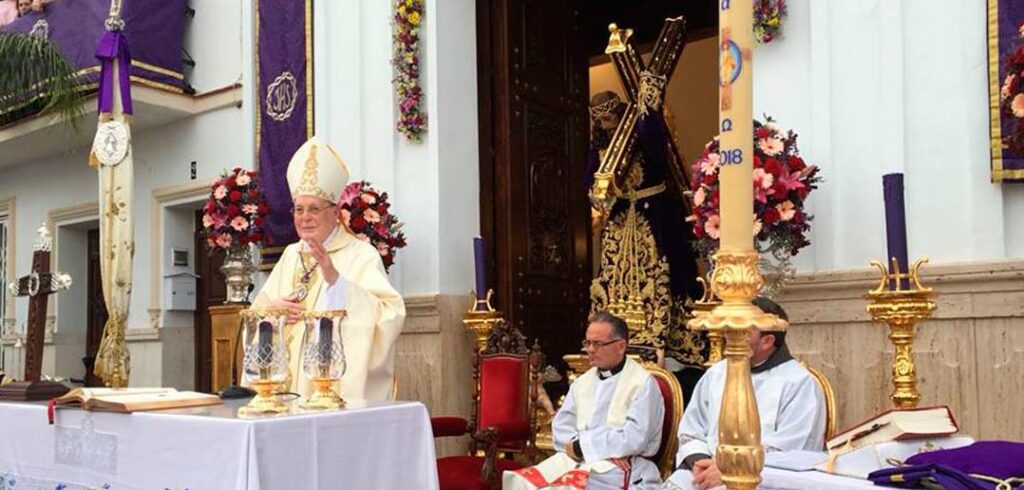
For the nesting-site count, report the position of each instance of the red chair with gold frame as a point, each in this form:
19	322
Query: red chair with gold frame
506	373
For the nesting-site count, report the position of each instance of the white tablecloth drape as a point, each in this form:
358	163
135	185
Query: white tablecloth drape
385	446
778	479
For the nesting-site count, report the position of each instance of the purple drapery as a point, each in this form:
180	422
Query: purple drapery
284	107
114	46
1004	17
156	28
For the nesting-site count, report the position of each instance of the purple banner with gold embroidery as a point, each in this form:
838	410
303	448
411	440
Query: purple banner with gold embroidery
1006	89
284	103
154	28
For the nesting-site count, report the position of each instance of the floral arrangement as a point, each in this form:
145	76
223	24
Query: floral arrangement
1011	96
782	181
412	121
768	15
365	212
236	210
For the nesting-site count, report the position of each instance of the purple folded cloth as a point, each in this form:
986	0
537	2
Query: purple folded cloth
996	459
927	476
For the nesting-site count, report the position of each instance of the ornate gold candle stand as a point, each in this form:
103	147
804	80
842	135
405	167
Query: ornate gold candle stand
736	280
270	363
323	360
701	309
902	309
480	319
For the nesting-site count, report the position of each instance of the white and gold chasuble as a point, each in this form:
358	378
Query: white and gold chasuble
618	416
375	310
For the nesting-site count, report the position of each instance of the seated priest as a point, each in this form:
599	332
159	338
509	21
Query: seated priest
610	422
330	269
790	403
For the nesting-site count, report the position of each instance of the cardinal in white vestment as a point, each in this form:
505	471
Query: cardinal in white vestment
790	404
330	269
608	426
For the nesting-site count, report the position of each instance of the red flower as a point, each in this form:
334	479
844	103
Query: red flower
254	194
230	183
259	221
773	166
357	223
796	163
235	196
263	208
232	211
770	216
209	207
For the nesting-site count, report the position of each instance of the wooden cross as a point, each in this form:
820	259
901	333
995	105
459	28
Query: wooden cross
38	286
616	162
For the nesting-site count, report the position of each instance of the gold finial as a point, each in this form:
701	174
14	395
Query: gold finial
618	39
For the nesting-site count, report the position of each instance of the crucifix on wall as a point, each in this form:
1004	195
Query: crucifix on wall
38	286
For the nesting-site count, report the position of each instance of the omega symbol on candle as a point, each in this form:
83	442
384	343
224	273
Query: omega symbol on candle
726	125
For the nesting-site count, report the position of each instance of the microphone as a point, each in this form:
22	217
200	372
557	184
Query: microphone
235	391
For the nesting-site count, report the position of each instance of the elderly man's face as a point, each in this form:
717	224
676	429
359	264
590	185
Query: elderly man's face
24	6
604	349
314	218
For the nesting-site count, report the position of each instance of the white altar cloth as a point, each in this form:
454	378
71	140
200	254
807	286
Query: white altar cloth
385	446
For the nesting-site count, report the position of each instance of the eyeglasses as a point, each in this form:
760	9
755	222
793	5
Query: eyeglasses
586	344
312	210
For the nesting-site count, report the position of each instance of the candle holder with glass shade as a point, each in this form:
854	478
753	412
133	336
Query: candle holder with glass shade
323	358
264	361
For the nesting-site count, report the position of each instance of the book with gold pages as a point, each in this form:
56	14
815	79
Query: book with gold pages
897	425
134	399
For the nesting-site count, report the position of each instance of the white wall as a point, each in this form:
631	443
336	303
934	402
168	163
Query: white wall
876	86
434	184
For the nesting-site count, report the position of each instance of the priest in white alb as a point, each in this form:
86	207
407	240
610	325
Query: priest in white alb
330	269
608	426
790	404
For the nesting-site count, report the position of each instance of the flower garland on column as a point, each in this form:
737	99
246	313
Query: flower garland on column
412	121
768	15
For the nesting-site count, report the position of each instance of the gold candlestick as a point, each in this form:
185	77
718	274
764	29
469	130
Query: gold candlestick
901	309
701	309
481	318
736	279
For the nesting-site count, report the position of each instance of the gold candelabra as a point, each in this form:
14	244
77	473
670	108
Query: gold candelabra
901	301
701	309
736	280
481	318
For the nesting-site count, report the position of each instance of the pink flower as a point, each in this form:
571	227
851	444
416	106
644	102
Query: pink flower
224	240
786	210
1004	92
207	221
351	191
346	216
1017	105
699	197
711	226
371	216
220	192
368	198
218	219
240	223
250	209
363	237
791	181
762	184
383	248
243	178
757	225
770	146
709	165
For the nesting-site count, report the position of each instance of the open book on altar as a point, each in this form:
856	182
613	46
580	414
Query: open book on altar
897	425
134	399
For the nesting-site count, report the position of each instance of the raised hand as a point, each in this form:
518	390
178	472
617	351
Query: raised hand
326	266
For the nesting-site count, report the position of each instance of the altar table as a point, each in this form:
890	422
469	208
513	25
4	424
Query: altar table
386	446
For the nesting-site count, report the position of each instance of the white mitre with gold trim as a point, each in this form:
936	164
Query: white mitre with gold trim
316	170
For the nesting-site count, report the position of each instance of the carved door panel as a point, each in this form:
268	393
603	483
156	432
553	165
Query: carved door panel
211	290
533	156
96	309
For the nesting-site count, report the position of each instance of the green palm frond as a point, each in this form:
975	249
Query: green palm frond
35	77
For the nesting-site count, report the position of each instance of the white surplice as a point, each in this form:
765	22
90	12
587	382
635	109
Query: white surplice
789	401
636	436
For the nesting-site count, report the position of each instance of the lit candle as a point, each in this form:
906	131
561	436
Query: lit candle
895	228
326	339
481	268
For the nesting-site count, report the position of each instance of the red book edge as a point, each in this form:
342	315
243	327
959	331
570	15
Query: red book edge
905	436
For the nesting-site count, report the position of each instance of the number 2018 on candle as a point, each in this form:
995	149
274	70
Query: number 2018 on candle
732	157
